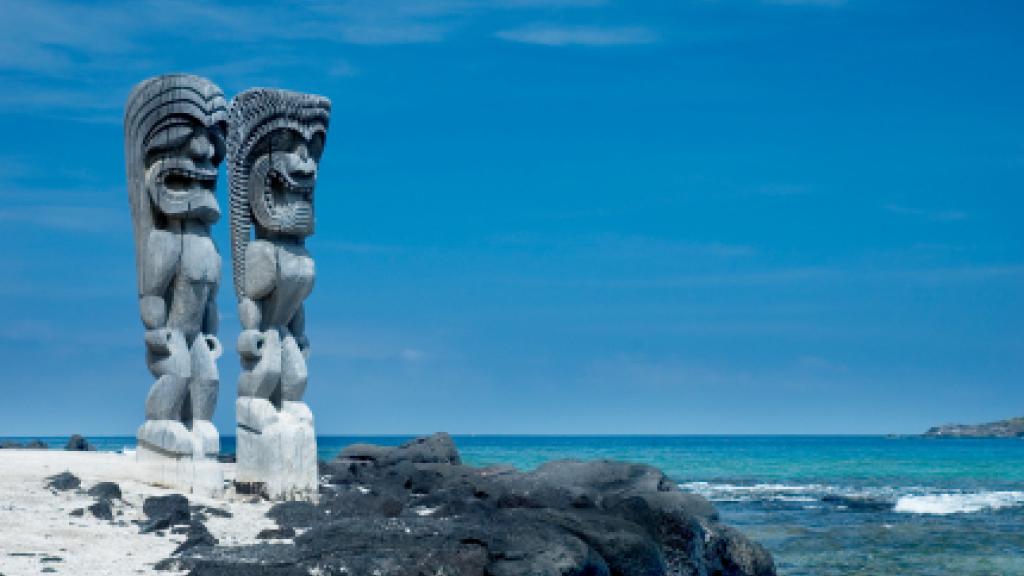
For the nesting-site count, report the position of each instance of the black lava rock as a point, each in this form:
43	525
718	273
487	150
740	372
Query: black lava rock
276	534
36	445
106	490
102	510
77	512
294	514
78	444
163	512
197	535
227	569
219	513
63	481
415	509
436	449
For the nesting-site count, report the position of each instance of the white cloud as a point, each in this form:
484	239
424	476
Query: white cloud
558	35
783	190
412	355
823	3
624	246
347	247
392	33
67	218
932	215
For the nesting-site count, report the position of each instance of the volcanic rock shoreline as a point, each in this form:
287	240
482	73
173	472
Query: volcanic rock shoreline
417	510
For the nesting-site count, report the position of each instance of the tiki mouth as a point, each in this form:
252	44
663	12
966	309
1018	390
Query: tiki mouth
287	188
177	180
288	202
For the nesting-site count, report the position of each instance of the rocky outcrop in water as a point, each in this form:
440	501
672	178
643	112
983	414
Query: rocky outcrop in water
1012	428
415	509
78	444
30	445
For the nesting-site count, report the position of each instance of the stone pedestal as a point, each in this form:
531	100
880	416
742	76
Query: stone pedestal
201	475
276	452
173	456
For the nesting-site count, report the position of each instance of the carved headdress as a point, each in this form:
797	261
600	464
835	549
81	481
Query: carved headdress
268	187
159	120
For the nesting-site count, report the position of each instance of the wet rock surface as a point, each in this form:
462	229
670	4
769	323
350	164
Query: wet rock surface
415	509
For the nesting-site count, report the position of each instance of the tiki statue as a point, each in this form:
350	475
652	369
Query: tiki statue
174	129
274	145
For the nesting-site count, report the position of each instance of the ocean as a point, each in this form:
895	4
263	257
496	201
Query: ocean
823	505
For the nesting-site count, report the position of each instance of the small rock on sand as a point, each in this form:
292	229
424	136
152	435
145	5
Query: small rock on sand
102	510
165	511
198	535
106	490
63	481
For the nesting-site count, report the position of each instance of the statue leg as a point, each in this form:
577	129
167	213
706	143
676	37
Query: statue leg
293	370
281	457
168	359
166	398
259	385
294	377
203	388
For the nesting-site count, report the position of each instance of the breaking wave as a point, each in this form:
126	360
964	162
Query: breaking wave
906	500
958	503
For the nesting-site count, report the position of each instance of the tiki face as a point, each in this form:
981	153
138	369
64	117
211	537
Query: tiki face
283	176
174	138
182	153
274	144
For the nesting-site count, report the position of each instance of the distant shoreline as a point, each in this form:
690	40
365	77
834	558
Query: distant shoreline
1010	428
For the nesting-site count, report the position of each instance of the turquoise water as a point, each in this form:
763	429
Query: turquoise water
824	505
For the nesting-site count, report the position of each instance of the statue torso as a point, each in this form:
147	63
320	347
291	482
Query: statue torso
194	284
293	282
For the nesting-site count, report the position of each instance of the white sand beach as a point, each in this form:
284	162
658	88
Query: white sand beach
38	534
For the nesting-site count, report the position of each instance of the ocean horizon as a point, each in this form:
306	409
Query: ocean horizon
822	504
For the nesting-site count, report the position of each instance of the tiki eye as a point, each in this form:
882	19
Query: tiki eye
171	137
316	145
282	141
216	135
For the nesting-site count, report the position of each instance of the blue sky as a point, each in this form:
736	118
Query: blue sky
557	216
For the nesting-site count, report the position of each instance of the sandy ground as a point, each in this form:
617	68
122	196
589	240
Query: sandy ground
37	532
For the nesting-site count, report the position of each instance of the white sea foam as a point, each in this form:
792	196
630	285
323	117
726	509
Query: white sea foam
905	499
755	492
958	503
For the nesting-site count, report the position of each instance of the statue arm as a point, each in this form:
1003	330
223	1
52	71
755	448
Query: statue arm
249	314
260	279
211	319
162	255
260	269
298	329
